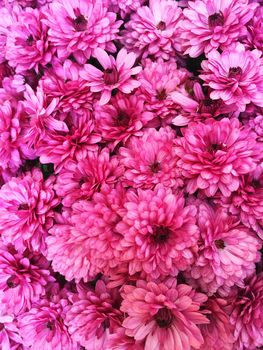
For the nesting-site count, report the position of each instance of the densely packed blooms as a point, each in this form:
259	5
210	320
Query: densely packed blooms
131	175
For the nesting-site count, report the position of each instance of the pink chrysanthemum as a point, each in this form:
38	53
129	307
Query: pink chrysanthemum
218	334
87	246
152	30
20	81
159	232
23	278
26	210
247	315
163	315
27	45
254	39
64	82
235	76
227	252
158	81
213	24
122	117
151	159
125	7
93	316
80	180
214	154
83	27
43	327
9	334
116	74
8	17
60	147
120	341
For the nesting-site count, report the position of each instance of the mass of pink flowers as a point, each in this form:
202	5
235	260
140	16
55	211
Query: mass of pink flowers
131	174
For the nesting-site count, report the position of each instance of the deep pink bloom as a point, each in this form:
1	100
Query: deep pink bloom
151	159
62	146
159	232
247	315
227	251
212	24
254	38
83	26
163	315
80	180
122	117
93	316
235	76
43	327
9	334
20	81
116	74
26	210
214	154
23	278
152	30
27	45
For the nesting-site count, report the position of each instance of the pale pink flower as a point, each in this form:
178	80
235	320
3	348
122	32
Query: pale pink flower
151	159
247	315
122	117
93	316
164	315
23	278
83	27
212	24
227	252
80	180
27	46
159	232
9	334
153	29
26	210
213	155
235	76
116	74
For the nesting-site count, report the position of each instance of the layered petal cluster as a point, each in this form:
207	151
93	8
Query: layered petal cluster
26	210
152	30
159	232
214	154
214	24
227	252
164	315
255	30
125	7
151	159
9	334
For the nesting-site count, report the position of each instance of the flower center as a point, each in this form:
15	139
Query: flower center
122	119
23	206
1	327
255	183
161	25
220	244
30	40
80	23
105	324
217	19
155	167
235	72
50	325
161	234
12	282
161	95
111	76
164	317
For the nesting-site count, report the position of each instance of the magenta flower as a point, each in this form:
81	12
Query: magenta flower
254	38
26	210
159	232
125	7
235	76
8	17
83	27
116	74
213	24
92	317
153	29
151	159
256	124
9	334
214	154
227	252
164	315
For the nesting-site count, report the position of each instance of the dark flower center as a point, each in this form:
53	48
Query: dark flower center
30	40
216	19
12	282
23	206
105	324
207	102
111	76
1	327
161	25
161	95
122	119
50	325
235	72
161	234
220	244
155	167
255	183
31	78
164	317
80	23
